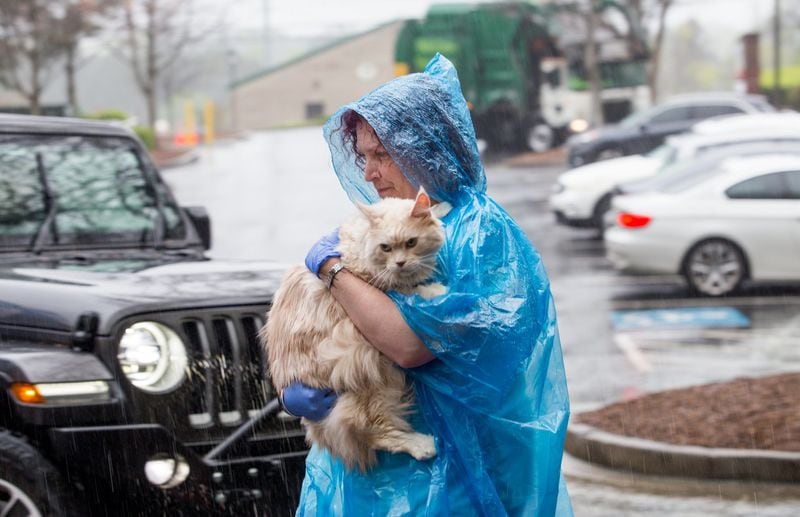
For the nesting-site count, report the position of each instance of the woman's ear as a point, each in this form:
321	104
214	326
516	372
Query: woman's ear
422	205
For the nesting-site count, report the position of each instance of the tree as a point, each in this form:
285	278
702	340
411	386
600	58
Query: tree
659	8
591	62
632	22
157	32
29	47
80	19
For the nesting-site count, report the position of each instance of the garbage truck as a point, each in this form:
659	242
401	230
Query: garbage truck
521	69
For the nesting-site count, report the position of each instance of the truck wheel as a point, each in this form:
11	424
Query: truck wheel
502	128
540	137
29	484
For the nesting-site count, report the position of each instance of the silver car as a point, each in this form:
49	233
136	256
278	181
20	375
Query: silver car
739	222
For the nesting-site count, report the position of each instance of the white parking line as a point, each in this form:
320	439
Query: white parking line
632	352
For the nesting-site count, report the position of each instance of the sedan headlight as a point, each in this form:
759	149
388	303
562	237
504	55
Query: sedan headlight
152	356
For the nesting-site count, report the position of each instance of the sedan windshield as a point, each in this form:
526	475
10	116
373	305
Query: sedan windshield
664	153
80	190
636	118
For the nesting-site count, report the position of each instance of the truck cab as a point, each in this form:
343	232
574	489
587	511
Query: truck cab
132	379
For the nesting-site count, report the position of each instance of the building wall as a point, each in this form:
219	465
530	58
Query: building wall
318	84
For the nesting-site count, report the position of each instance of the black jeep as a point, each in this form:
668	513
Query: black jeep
131	377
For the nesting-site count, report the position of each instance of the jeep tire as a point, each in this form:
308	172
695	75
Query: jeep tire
29	484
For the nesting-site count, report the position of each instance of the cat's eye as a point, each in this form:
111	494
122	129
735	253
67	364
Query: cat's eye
410	243
386	248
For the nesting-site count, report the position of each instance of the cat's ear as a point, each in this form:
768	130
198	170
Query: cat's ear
368	212
422	205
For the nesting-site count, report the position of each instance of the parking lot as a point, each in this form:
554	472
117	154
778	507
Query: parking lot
287	196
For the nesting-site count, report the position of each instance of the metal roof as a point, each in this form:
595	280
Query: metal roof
319	50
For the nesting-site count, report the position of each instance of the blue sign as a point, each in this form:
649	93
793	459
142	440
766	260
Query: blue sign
696	317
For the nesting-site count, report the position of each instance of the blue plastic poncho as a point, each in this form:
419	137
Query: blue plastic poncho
496	399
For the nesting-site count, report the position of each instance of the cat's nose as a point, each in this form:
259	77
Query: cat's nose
401	263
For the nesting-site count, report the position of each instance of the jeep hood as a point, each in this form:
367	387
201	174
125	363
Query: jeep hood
54	297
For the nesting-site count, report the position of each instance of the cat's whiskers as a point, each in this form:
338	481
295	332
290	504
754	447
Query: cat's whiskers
381	279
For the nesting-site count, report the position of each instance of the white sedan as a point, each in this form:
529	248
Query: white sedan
582	195
717	230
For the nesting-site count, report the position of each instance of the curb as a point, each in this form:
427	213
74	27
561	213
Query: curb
687	461
190	156
550	158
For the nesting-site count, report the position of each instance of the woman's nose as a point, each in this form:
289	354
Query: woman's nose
371	171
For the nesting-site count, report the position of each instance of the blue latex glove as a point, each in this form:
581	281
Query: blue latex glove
324	249
307	402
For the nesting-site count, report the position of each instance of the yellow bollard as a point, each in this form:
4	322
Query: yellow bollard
208	122
190	125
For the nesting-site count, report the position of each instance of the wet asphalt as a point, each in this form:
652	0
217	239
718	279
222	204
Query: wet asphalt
272	194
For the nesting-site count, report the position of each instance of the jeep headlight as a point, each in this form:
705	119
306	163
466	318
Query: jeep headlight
152	356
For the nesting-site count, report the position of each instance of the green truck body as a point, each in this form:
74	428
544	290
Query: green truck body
499	50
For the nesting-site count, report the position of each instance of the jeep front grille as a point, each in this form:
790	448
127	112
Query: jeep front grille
227	369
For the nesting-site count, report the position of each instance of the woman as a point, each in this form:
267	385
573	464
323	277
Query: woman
484	359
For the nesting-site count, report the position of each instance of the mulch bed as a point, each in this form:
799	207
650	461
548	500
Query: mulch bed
759	413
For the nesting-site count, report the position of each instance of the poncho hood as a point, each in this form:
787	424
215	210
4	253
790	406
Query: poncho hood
424	123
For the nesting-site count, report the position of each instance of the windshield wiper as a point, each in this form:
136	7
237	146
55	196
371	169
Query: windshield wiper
48	226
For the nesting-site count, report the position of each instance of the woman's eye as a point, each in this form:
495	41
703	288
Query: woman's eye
386	248
410	243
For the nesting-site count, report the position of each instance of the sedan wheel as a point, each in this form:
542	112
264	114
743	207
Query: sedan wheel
715	267
609	153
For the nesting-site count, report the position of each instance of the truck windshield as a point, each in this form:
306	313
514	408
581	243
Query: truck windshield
613	74
80	190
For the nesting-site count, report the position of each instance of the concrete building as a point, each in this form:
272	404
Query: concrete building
311	87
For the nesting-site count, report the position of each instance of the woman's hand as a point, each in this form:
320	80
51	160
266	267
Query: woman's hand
311	403
322	250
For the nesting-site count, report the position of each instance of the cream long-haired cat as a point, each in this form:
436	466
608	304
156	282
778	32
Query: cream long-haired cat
391	244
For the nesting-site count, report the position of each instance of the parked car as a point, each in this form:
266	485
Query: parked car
645	130
581	196
741	223
706	164
131	376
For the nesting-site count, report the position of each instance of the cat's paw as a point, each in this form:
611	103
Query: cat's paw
422	447
429	291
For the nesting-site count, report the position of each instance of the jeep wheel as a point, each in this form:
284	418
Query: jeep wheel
29	484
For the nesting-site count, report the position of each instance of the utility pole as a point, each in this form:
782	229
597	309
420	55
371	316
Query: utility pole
266	32
776	55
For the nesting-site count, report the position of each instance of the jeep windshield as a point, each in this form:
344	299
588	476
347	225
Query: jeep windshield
81	191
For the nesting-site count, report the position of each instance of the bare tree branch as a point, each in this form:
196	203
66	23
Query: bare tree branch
29	46
157	34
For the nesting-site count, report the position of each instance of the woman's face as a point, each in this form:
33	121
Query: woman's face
379	168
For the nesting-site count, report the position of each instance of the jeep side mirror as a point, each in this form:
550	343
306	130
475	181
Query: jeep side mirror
202	223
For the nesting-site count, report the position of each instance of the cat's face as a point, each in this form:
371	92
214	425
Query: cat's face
402	242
